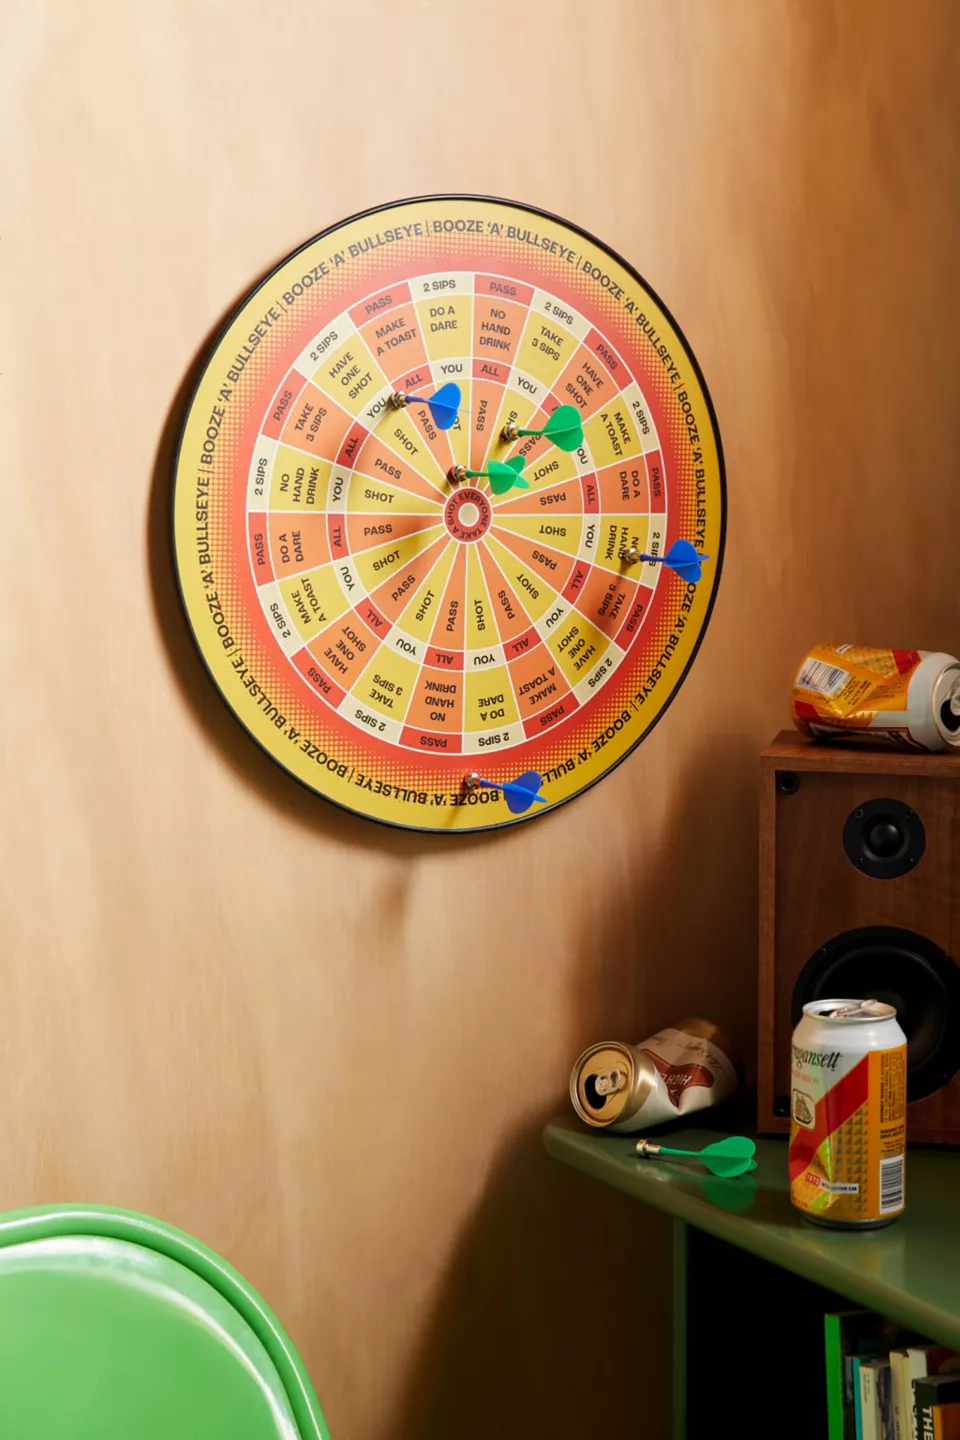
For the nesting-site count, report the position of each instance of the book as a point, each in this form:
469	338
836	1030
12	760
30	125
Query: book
855	1361
937	1386
901	1393
946	1422
885	1403
848	1334
905	1367
875	1416
934	1396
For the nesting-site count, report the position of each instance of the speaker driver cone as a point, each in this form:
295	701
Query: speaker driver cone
884	839
906	970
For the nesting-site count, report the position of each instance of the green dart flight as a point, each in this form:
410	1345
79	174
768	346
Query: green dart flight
564	428
503	475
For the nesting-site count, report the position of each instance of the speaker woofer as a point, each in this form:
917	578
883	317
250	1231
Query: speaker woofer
906	970
884	838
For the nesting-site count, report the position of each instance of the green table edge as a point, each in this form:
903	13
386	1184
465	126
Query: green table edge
47	1222
567	1141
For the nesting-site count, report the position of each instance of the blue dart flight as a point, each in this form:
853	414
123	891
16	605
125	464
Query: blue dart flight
683	558
519	794
443	404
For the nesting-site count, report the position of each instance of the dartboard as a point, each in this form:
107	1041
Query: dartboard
449	512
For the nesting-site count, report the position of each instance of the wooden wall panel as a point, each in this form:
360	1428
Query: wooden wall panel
323	1047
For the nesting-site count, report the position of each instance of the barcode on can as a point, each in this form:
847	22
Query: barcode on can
819	675
891	1183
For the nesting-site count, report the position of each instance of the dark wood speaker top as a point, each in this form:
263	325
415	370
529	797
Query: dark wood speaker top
793	751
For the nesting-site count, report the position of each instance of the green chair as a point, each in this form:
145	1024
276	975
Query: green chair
114	1326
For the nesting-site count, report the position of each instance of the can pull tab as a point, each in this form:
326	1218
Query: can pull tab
950	712
610	1082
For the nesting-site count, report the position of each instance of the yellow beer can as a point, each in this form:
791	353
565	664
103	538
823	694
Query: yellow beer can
848	1114
906	699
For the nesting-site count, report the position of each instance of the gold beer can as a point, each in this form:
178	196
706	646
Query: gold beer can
848	1114
625	1088
905	699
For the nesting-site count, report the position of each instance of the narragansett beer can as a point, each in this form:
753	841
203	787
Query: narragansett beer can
907	699
848	1113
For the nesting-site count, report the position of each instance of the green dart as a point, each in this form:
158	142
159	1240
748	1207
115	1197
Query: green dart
502	475
563	428
733	1156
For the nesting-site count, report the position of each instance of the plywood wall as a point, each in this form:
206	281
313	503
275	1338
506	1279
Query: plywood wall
325	1048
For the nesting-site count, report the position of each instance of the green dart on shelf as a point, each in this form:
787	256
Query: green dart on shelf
726	1158
564	428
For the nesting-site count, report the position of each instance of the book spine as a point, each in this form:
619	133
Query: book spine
833	1358
902	1426
869	1429
857	1401
946	1421
924	1421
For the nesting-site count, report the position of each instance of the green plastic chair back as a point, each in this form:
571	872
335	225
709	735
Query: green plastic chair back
114	1326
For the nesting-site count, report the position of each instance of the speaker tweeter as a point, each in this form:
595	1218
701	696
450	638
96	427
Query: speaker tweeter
884	838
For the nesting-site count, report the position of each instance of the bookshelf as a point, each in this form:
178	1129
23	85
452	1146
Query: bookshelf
752	1279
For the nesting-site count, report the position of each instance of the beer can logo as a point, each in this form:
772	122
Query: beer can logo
848	1133
679	1078
804	1107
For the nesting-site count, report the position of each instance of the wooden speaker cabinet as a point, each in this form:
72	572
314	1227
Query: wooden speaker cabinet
860	895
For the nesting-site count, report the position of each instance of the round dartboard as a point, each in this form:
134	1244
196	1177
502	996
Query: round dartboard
449	512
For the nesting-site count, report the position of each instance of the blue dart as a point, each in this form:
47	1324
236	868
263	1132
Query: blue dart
682	557
519	794
443	404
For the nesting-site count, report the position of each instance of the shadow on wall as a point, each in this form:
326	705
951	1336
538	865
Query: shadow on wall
692	918
553	1317
680	937
554	1320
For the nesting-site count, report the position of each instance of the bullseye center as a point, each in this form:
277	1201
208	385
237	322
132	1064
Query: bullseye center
467	514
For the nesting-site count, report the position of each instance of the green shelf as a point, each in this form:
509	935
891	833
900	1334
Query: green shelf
909	1270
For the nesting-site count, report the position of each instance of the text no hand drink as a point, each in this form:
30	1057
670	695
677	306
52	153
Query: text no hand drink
848	1111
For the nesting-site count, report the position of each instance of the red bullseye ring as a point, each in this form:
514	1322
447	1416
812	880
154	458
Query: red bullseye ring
467	514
